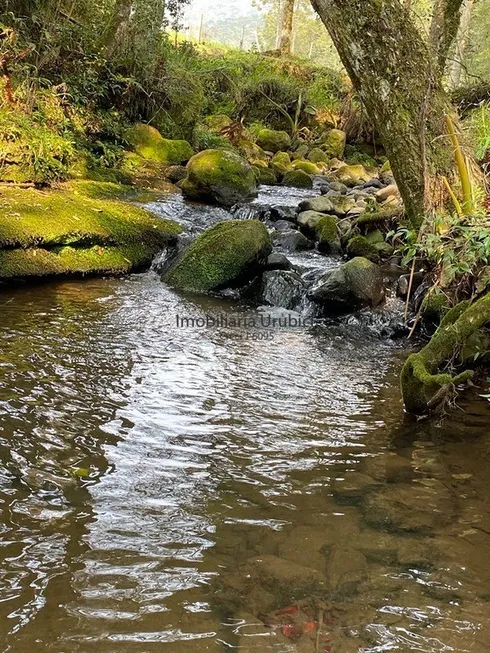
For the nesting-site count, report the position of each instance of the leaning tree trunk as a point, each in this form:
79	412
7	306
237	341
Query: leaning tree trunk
443	30
462	40
398	81
286	28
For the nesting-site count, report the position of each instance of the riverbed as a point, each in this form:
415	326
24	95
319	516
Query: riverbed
150	467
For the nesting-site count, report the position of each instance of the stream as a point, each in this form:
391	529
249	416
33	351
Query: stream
163	485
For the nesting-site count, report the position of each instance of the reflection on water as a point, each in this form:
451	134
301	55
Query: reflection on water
185	489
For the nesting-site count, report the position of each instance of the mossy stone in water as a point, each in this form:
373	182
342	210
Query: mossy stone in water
271	140
360	246
228	254
219	177
297	179
266	176
327	235
150	144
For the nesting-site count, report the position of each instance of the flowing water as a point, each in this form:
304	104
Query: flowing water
171	487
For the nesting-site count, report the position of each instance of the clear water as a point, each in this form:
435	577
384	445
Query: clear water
188	489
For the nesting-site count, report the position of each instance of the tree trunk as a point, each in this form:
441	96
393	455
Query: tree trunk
456	65
443	29
392	70
119	21
287	28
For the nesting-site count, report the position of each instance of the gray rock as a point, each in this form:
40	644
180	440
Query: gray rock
277	261
320	204
282	288
308	221
355	284
284	225
342	205
291	241
283	213
339	187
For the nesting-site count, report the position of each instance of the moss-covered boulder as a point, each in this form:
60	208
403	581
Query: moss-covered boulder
334	143
297	179
254	154
70	232
360	246
301	152
271	140
219	177
217	122
281	163
150	144
306	166
355	175
308	220
228	254
354	285
266	176
327	235
317	155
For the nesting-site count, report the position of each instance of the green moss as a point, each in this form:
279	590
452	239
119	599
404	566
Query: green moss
149	144
271	140
383	214
219	176
38	262
334	143
327	235
101	190
267	176
281	163
306	166
224	254
317	155
354	175
360	246
36	227
421	379
435	305
217	122
297	179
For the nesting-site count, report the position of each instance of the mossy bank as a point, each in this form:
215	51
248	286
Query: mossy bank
70	231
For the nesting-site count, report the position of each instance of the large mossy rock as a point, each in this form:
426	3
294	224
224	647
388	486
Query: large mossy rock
271	140
228	254
219	177
355	175
354	285
72	232
334	143
306	166
360	246
297	179
150	144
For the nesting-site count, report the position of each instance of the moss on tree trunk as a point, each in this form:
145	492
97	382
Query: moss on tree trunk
398	80
422	378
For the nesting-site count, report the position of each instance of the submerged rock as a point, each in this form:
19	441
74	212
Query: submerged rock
416	507
282	288
271	140
356	284
228	254
219	176
150	144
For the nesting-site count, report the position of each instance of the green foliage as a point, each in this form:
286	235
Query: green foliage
477	126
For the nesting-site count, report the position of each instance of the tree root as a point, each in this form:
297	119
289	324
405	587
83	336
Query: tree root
421	379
